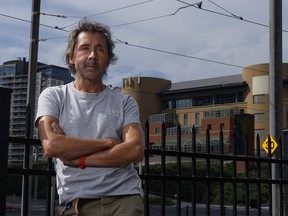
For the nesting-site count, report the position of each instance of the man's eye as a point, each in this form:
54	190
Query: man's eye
100	49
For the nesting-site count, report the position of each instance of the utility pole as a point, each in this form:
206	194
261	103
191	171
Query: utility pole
276	91
30	106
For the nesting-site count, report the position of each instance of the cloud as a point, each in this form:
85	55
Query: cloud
200	36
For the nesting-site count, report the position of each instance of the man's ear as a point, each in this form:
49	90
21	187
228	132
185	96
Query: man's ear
71	61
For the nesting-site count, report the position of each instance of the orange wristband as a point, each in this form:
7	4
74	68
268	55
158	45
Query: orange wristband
82	162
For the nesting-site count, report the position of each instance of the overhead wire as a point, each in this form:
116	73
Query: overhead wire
143	47
53	15
197	5
186	56
239	17
28	21
152	18
230	15
112	10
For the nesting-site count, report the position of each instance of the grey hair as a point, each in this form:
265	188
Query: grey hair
86	25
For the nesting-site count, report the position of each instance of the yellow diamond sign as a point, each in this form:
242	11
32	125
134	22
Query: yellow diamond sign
273	145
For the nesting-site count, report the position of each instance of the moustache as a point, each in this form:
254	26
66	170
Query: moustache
91	64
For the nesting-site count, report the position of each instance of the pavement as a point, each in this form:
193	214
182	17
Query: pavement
38	208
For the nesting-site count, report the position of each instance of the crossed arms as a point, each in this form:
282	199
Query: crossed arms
98	152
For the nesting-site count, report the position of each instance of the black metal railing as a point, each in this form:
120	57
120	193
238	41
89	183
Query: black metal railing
178	178
189	205
273	164
27	172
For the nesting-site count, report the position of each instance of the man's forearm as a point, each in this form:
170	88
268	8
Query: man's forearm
122	154
56	144
68	148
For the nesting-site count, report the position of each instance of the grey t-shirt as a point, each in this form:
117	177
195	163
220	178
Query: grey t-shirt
95	116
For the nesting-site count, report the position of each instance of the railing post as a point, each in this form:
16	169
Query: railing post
5	98
163	167
179	170
208	167
147	171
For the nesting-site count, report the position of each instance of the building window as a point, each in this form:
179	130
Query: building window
171	147
260	132
167	105
197	119
226	98
240	97
203	101
259	117
219	113
166	117
222	126
182	103
185	119
258	98
157	130
177	119
171	131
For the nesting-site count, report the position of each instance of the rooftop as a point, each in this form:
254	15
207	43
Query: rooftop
223	81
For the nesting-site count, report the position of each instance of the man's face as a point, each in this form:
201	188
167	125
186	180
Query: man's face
90	56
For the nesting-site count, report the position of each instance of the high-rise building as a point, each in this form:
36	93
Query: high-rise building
14	75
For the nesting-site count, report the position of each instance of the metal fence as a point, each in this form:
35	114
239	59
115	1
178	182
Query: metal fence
187	190
257	172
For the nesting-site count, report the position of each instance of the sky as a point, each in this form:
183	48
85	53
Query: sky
169	39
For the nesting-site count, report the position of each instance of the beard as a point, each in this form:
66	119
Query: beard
92	64
92	70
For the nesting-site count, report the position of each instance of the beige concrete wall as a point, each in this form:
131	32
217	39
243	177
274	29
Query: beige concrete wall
146	92
257	75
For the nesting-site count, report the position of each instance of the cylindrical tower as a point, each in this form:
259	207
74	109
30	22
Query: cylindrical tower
146	92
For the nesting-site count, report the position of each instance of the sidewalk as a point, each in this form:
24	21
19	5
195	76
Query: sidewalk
37	207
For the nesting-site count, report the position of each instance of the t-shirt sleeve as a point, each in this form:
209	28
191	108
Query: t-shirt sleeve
48	104
131	111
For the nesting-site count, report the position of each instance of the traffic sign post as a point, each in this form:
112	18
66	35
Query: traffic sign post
269	148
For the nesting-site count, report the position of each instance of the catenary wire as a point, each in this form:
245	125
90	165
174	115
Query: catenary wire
184	55
138	46
143	47
112	10
152	18
23	20
225	10
230	16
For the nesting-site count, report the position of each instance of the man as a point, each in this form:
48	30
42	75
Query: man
93	132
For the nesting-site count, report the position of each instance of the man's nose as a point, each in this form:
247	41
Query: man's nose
93	54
